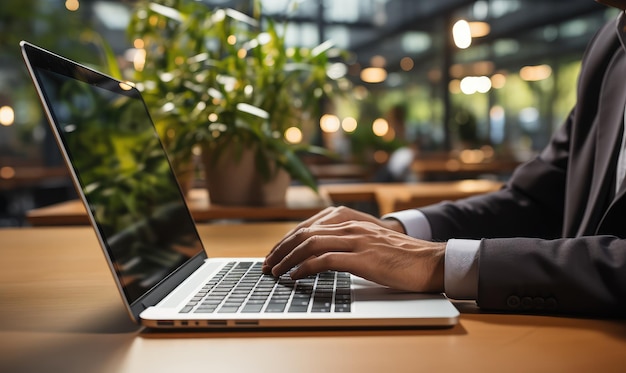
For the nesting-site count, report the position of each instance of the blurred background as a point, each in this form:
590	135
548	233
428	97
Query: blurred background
471	88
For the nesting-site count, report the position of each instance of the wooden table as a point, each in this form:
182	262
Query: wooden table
427	169
301	203
60	312
341	171
392	198
30	176
399	196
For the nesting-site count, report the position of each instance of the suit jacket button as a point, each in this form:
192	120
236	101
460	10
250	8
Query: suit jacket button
539	303
513	301
551	304
527	303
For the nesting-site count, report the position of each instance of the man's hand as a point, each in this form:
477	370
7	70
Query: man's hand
346	240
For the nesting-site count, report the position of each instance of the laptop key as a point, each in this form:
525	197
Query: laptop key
252	308
186	309
227	309
275	307
247	290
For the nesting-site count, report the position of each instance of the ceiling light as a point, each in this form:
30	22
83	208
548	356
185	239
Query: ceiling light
461	34
406	63
535	73
479	29
373	75
378	61
330	123
380	127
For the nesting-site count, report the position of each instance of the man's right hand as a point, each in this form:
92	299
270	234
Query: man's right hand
346	240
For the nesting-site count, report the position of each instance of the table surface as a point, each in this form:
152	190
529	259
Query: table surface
12	178
61	313
301	201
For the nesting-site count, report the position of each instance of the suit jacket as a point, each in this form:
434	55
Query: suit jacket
554	238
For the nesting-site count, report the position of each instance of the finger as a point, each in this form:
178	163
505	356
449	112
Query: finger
307	223
312	246
345	236
343	233
332	261
284	247
290	242
342	214
330	215
362	264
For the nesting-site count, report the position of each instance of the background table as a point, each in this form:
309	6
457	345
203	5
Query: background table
60	312
391	197
301	201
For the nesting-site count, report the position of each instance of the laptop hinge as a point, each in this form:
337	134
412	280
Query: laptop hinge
162	289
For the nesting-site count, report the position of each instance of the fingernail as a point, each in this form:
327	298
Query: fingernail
294	274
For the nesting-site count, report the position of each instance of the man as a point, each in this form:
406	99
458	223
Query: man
553	240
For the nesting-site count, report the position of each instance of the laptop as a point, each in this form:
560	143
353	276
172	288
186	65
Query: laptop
136	207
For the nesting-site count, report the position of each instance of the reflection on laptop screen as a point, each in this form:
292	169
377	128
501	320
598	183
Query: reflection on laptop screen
126	178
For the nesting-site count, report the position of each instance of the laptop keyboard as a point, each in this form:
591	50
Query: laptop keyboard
242	287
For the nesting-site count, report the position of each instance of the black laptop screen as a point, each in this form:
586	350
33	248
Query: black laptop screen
124	175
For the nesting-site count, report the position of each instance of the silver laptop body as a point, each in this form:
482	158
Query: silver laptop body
135	205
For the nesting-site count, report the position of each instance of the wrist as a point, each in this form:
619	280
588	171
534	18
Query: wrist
437	284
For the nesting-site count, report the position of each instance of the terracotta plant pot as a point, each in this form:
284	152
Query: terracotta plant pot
234	181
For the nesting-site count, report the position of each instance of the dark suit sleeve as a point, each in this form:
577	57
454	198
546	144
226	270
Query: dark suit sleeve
536	271
585	275
523	264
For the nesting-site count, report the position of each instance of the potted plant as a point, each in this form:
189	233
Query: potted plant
224	83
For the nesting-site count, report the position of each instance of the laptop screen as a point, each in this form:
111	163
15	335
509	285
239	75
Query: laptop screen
124	174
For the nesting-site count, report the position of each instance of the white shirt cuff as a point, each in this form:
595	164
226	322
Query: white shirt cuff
461	269
414	222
